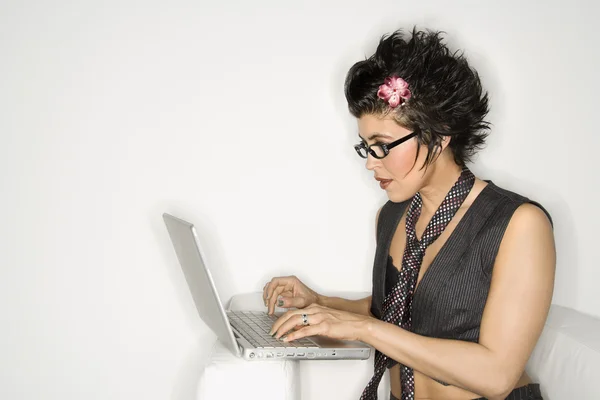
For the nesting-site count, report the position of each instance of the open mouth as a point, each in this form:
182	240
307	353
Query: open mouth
384	183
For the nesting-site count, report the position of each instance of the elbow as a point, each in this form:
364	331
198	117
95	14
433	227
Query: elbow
499	392
500	386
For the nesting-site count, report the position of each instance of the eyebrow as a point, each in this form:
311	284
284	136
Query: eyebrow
377	135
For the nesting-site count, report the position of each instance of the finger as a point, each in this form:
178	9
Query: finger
271	285
287	300
288	325
275	282
274	296
268	287
280	321
264	294
283	319
297	321
281	299
311	330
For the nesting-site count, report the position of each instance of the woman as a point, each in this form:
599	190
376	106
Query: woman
464	270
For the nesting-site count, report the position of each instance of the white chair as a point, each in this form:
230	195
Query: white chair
566	360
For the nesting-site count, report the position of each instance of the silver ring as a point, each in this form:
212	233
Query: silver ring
305	319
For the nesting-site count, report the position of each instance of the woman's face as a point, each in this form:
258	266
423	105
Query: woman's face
398	173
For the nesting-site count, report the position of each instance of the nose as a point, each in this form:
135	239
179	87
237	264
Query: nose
372	162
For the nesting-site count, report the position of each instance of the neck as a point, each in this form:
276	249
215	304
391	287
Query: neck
442	175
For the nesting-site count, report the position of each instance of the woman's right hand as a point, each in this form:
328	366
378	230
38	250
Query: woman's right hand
288	292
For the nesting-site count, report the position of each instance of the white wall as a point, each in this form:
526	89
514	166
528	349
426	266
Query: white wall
232	114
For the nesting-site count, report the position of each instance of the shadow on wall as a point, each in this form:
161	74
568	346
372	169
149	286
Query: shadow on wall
187	377
213	252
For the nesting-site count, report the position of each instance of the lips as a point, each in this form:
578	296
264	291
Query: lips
383	183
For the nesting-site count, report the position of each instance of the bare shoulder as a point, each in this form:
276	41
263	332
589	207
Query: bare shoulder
527	246
529	213
530	224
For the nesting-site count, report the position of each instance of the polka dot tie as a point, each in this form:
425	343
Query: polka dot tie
397	304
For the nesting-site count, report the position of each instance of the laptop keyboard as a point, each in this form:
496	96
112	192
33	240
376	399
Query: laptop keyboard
255	327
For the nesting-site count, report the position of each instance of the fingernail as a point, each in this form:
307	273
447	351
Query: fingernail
284	338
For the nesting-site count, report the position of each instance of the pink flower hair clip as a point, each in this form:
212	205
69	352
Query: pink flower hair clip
394	90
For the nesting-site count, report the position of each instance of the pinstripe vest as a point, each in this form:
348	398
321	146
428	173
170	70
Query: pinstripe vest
449	300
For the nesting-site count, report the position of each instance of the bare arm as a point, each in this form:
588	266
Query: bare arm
362	306
513	318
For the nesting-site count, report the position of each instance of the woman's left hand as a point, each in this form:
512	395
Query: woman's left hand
321	321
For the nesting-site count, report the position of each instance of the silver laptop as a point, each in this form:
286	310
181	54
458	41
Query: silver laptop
246	333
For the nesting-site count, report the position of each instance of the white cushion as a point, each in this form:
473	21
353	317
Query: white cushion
566	360
227	377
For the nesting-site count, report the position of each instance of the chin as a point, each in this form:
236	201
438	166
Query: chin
397	196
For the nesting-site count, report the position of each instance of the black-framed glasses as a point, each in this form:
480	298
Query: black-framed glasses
380	150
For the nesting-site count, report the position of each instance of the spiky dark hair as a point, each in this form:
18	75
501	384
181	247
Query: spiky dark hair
447	97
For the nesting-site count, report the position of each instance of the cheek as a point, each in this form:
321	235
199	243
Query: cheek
401	162
407	173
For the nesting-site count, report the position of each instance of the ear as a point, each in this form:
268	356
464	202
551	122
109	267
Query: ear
445	142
